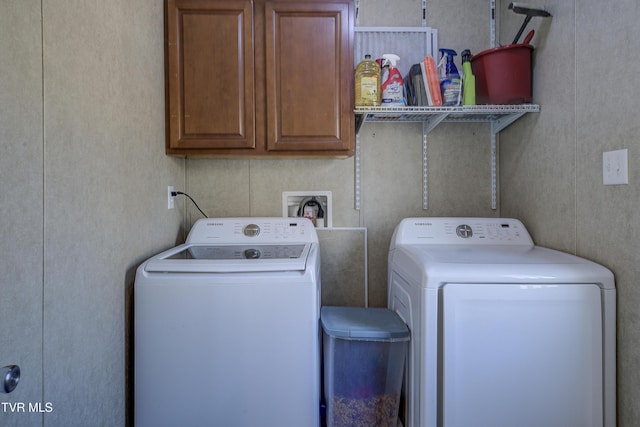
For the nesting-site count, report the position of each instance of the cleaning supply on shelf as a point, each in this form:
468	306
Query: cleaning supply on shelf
529	13
450	83
367	82
504	74
468	80
392	83
431	81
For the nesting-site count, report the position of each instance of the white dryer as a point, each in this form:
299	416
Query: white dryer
503	333
227	327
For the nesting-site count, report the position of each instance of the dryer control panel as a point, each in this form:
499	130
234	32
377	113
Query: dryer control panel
462	231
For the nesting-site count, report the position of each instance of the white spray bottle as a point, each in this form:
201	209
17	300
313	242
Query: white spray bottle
392	84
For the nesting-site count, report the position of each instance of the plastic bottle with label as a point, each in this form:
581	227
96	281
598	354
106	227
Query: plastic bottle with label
468	80
450	83
392	82
367	82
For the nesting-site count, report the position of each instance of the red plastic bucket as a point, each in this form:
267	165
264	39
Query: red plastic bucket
503	74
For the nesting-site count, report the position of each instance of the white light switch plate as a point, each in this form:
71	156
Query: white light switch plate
615	167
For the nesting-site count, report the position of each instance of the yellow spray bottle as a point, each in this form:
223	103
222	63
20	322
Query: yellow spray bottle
468	80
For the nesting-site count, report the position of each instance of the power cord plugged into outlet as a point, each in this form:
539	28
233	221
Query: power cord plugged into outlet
171	195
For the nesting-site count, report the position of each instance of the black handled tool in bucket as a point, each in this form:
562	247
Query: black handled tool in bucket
529	12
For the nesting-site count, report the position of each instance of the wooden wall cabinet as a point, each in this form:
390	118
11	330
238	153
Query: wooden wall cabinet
264	78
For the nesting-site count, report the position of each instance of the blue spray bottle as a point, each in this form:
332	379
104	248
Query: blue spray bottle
450	83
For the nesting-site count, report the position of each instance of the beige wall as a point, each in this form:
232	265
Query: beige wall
83	198
552	164
21	201
84	177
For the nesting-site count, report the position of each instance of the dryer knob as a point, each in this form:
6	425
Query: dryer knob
251	230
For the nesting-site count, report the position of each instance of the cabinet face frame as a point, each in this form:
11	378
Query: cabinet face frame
309	68
259	117
204	74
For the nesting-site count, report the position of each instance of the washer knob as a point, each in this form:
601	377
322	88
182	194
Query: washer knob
464	231
252	254
251	230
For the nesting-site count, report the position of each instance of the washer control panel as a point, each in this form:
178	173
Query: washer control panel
252	230
462	231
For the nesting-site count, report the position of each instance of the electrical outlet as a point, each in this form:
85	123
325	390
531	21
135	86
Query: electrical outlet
170	197
615	167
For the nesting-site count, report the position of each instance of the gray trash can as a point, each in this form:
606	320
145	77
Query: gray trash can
364	357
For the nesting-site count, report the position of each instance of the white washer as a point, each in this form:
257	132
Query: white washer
227	327
503	333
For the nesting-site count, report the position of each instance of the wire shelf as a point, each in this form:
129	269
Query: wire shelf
467	113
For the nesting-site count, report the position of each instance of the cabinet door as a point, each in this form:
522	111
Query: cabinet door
309	75
210	75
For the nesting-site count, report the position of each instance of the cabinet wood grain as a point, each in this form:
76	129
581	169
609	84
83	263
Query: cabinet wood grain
259	78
